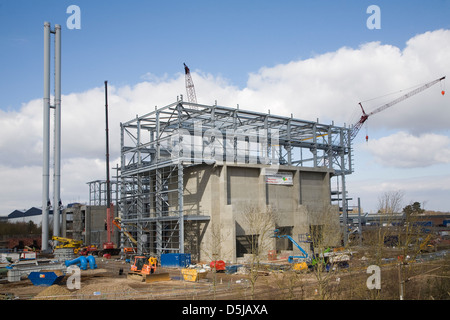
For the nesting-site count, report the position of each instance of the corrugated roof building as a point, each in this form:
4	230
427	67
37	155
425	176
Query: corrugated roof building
33	214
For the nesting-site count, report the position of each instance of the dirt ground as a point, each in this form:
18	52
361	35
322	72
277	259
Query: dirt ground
109	282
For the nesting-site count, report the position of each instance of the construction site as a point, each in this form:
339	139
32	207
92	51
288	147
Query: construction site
219	202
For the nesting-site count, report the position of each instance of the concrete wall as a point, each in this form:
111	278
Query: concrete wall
86	223
228	193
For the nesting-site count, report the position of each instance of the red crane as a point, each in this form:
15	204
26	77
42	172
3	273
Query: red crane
109	247
366	116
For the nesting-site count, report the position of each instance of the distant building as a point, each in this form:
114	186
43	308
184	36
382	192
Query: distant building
33	214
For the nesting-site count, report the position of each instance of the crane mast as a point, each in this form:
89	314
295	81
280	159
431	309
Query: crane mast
190	90
365	115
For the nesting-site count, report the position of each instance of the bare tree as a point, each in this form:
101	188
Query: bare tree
390	202
325	235
214	249
259	224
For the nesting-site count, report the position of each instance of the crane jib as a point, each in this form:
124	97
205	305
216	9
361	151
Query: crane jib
365	116
407	95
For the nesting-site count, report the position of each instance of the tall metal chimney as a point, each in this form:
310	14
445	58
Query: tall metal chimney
46	139
57	138
46	204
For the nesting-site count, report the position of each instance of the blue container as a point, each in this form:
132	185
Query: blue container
45	278
232	269
175	260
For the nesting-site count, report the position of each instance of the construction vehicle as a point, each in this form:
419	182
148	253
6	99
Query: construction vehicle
144	269
331	258
67	243
365	116
86	250
299	262
218	265
109	248
427	244
328	258
117	223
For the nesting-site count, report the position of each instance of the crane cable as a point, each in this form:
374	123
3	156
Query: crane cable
406	89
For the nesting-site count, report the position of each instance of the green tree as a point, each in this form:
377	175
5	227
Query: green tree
413	209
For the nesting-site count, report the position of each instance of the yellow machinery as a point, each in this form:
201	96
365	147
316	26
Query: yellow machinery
117	222
427	245
144	269
299	266
67	243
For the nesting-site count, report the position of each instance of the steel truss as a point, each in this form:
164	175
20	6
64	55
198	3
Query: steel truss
157	146
98	192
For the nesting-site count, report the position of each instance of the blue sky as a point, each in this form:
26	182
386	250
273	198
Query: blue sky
316	59
123	40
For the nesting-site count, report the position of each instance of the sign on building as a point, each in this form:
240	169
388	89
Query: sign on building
280	178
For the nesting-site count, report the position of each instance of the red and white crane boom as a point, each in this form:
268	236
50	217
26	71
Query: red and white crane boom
365	115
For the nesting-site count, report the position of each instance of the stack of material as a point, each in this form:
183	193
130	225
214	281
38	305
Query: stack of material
62	254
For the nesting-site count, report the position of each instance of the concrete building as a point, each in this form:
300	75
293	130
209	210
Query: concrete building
239	202
191	175
86	223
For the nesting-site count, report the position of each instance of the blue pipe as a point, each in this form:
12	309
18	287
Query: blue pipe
91	261
80	261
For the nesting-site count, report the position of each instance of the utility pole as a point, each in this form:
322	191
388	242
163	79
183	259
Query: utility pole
359	222
400	278
108	244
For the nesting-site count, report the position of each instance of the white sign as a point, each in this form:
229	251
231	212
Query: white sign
283	178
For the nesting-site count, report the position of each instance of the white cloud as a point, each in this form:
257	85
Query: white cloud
21	135
327	86
20	187
403	150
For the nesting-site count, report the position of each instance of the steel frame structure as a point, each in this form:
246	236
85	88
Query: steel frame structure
153	160
98	192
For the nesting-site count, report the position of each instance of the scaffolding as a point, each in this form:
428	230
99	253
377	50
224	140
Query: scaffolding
158	146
